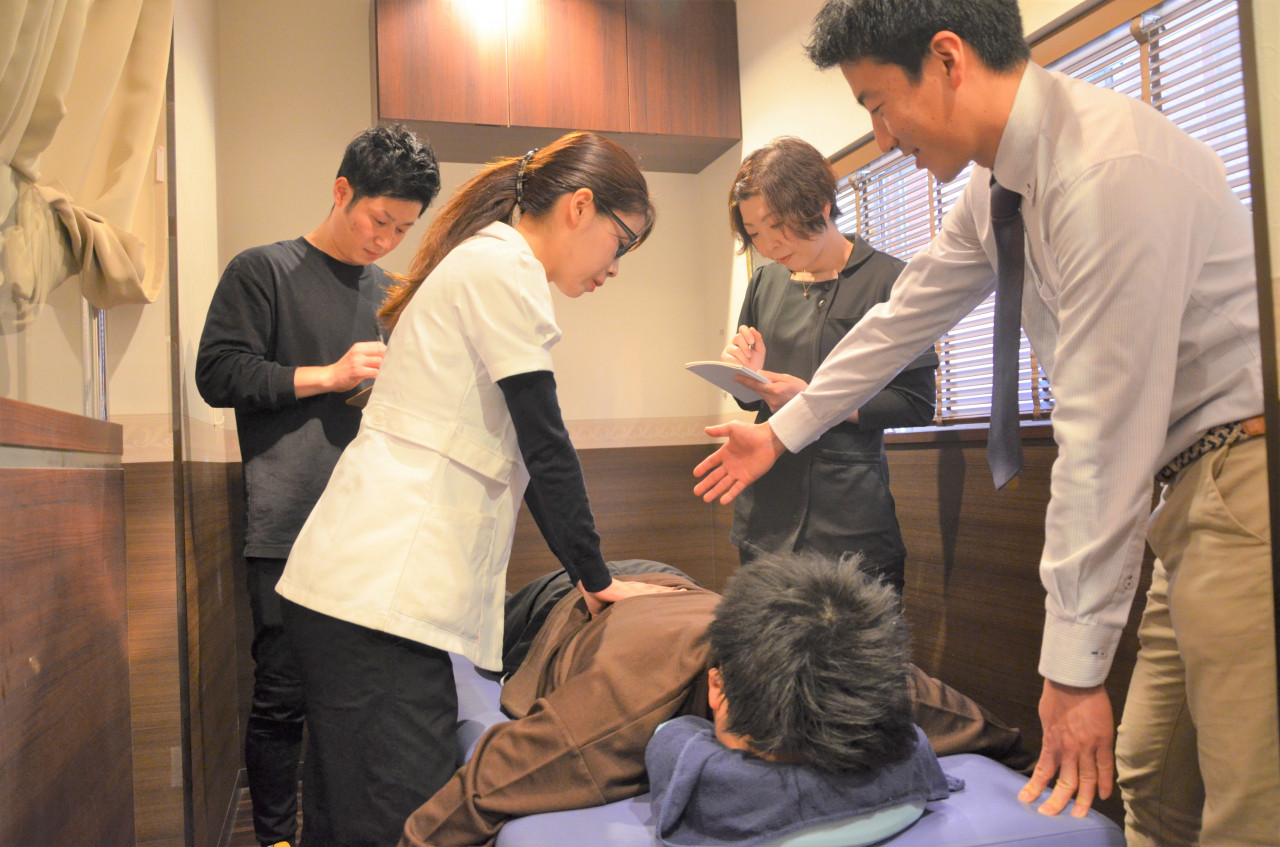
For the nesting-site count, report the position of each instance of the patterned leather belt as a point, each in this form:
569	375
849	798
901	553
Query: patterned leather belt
1223	435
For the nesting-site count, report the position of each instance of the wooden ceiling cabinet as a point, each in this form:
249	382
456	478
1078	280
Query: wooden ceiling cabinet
483	78
683	64
444	60
567	64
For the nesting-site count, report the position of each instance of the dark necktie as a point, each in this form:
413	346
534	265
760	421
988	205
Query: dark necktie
1004	444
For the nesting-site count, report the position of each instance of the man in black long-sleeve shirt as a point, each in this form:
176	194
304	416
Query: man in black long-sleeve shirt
291	330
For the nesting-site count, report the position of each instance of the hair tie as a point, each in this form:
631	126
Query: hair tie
520	174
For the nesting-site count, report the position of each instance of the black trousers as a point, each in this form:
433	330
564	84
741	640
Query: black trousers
273	736
381	712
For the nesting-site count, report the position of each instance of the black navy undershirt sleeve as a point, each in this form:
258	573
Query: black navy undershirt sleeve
906	401
557	494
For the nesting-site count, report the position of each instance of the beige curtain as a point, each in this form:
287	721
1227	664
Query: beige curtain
82	86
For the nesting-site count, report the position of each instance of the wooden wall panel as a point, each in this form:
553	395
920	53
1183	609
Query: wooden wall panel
155	682
644	507
726	554
973	593
64	679
217	650
973	589
216	598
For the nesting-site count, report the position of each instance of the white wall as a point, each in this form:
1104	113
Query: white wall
782	93
139	337
41	362
137	378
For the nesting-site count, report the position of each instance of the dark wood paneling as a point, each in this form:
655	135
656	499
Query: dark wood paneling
568	64
216	597
973	593
683	67
219	669
642	499
440	61
155	682
64	677
25	425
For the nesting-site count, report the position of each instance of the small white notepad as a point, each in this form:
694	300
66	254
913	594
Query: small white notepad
721	375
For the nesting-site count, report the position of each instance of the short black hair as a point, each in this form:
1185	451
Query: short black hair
814	656
390	161
898	32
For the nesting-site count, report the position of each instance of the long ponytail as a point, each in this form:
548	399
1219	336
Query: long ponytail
577	160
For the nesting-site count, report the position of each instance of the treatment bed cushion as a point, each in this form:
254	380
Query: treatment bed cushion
986	812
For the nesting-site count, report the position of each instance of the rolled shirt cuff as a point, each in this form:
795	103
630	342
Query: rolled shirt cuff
1077	654
593	573
795	424
282	389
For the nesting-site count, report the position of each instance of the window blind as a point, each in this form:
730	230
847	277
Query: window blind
1197	78
1182	57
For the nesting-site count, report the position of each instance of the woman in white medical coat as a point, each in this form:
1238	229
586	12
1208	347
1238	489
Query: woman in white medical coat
403	559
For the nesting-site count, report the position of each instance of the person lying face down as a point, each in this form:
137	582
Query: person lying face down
591	691
811	715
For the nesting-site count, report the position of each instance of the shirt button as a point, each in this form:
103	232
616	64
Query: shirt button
821	303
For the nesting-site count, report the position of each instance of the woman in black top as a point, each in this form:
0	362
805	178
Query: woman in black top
833	496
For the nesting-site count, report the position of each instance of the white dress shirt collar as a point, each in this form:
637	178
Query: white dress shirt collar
1015	165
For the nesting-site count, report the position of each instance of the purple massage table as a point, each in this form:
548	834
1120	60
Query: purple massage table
986	812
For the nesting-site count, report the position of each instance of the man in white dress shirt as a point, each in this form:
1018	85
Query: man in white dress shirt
1140	301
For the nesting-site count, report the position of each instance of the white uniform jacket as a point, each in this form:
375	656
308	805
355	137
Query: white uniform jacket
413	532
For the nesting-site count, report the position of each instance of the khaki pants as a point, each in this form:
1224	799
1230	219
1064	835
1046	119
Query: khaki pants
1197	748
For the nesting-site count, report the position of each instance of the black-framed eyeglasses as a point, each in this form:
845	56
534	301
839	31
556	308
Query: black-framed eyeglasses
633	239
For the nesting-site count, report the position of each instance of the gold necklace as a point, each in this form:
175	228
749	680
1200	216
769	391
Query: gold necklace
807	279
